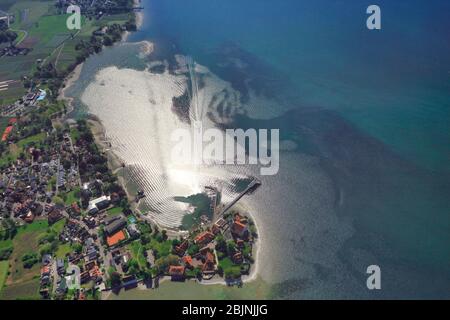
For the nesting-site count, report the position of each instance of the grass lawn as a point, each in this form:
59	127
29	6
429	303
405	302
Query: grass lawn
24	242
137	251
21	291
58	226
54	108
3	124
228	266
16	149
63	250
70	198
114	211
37	138
36	226
74	134
5	243
21	34
164	248
4	265
10	155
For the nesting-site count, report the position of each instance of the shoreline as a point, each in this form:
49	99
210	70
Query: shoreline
139	19
68	82
114	162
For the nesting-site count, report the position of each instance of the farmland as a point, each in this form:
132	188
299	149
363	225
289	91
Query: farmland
4	266
26	240
16	149
23	282
21	291
44	31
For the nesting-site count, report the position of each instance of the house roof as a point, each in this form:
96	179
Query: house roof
204	237
111	219
209	264
220	222
187	260
115	226
239	227
176	270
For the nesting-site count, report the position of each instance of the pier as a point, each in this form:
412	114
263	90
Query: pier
252	186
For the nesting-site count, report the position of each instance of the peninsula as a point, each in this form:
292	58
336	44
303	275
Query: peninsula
63	203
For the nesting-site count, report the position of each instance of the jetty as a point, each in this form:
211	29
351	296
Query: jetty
251	187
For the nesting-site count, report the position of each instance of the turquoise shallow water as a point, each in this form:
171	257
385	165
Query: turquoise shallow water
369	111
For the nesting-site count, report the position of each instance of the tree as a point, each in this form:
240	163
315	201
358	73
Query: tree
145	238
45	249
192	250
220	270
146	274
5	253
115	278
8	36
29	259
107	41
77	247
198	273
163	263
231	247
58	201
133	266
66	164
221	244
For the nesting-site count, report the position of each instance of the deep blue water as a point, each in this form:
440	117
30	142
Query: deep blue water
392	83
374	106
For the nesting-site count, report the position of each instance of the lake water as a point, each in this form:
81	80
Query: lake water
363	116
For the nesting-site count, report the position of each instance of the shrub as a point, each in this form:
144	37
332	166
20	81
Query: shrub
5	253
29	259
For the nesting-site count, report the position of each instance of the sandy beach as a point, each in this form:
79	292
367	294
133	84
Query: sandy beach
69	81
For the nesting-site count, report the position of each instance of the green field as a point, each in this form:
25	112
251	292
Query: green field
16	149
58	226
70	198
229	267
3	124
40	28
27	15
4	266
114	211
22	282
137	251
63	250
21	291
31	139
26	241
5	243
